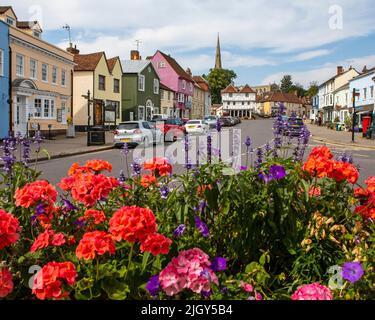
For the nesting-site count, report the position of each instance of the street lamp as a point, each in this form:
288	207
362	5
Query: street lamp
355	94
88	96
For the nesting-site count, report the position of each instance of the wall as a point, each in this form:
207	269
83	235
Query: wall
43	52
167	75
4	81
150	74
83	82
166	102
360	83
129	96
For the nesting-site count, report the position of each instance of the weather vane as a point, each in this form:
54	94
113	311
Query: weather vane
138	42
67	28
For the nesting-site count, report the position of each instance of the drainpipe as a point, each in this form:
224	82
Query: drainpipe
71	95
10	98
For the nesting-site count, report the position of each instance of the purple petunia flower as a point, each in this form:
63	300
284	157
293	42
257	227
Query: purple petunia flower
243	168
202	227
219	264
265	177
206	294
277	172
179	231
164	191
153	286
352	271
38	212
68	206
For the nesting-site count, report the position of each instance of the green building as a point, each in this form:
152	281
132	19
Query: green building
140	90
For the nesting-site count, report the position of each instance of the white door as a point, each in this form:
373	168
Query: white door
63	114
20	121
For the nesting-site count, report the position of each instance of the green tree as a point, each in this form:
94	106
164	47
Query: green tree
301	92
313	89
286	83
219	79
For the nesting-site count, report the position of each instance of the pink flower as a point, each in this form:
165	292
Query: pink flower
247	287
313	291
258	296
190	270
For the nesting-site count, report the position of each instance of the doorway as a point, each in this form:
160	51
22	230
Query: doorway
20	119
98	113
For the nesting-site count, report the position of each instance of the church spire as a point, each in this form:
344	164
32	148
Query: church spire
218	54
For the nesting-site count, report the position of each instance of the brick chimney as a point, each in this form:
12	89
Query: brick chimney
134	55
364	69
340	70
188	71
73	50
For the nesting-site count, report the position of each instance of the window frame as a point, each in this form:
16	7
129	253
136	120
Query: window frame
156	86
10	21
45	65
116	87
54	75
35	77
141	83
184	84
63	77
23	65
101	85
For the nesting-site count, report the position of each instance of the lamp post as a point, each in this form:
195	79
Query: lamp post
355	94
88	96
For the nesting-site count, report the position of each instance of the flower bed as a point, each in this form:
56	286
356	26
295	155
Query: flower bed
279	229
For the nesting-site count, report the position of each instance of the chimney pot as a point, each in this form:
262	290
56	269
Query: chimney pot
340	70
134	55
73	50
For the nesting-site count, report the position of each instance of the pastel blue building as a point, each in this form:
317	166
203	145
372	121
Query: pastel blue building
364	84
4	80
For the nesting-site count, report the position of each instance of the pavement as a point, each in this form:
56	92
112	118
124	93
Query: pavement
61	147
342	138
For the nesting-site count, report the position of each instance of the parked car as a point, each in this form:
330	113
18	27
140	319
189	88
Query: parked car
135	133
225	121
157	117
196	127
211	121
295	126
173	129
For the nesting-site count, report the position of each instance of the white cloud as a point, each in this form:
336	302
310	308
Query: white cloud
187	25
304	56
322	73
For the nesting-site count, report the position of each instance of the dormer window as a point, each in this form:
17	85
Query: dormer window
10	21
161	64
36	34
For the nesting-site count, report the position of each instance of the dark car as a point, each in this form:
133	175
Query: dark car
225	122
295	126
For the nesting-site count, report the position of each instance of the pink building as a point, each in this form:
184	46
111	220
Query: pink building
176	78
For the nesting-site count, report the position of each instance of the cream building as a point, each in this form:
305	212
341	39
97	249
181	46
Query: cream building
198	108
103	78
239	101
341	103
166	100
41	77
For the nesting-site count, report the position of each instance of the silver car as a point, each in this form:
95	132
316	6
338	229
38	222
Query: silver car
136	133
211	121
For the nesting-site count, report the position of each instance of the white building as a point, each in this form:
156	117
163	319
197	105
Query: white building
239	101
341	103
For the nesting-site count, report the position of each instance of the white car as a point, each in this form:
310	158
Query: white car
135	133
196	127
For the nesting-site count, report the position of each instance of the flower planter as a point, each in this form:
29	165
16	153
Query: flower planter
70	132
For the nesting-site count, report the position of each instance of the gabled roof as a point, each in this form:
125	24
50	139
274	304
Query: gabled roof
87	62
4	9
134	66
112	62
230	89
338	75
176	67
203	83
281	97
364	74
247	89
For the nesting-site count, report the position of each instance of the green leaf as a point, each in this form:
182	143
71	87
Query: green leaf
115	289
146	256
45	151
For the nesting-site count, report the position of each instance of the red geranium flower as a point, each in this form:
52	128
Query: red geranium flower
9	229
98	165
46	239
49	282
160	166
33	193
156	244
97	216
132	224
6	282
148	180
95	243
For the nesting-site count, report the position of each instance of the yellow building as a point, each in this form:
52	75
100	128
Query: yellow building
166	101
103	78
197	111
41	76
269	104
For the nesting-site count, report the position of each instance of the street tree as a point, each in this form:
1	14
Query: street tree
286	84
219	79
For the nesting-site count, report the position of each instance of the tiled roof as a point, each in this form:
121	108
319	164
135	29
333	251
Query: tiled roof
247	89
4	9
25	24
134	66
281	97
230	89
176	67
112	62
87	62
203	83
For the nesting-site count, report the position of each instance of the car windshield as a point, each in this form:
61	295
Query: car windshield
296	121
128	126
210	118
194	122
171	121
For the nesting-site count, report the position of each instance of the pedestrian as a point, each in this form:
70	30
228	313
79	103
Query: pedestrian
320	121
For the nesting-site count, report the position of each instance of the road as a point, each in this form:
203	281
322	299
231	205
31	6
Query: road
260	132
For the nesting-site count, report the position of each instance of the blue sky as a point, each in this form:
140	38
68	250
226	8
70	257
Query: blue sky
261	39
